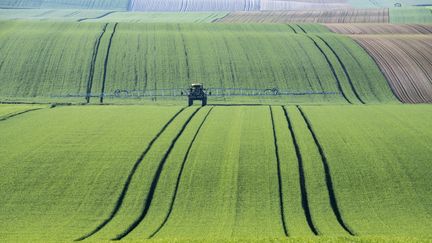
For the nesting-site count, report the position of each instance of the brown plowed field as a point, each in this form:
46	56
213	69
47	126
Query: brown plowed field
311	16
359	29
406	61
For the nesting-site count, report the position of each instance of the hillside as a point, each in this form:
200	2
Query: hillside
214	171
141	59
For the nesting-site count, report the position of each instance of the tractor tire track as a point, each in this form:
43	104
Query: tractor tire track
302	180
129	179
328	178
93	64
332	69
180	175
102	95
98	17
281	204
17	114
344	70
155	180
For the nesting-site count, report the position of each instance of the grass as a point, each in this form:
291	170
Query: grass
11	110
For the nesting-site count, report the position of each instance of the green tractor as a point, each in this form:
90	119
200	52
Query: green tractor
197	92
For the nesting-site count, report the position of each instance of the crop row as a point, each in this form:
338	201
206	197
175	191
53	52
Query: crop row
216	172
383	29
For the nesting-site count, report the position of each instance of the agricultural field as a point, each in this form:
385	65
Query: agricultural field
379	15
149	57
210	173
215	121
66	4
406	62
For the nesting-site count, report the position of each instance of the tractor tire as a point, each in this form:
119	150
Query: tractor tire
204	102
190	102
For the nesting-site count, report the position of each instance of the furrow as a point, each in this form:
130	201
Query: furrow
129	179
344	69
328	178
150	194
102	95
302	180
332	69
180	175
281	204
93	64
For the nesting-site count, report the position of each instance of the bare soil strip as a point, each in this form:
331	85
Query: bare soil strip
329	181
106	63
93	64
149	197
380	15
180	175
129	179
362	29
281	203
406	62
302	180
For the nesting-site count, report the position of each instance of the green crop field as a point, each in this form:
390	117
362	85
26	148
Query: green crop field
300	131
410	16
100	59
215	173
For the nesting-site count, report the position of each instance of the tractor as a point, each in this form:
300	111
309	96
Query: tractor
197	92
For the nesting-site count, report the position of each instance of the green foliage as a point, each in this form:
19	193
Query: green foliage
49	14
161	17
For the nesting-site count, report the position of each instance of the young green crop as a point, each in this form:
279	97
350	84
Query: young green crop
380	161
63	168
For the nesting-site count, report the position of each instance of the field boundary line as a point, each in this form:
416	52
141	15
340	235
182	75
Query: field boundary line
98	17
343	68
93	63
129	178
329	182
279	174
338	83
106	63
150	194
18	113
180	175
302	179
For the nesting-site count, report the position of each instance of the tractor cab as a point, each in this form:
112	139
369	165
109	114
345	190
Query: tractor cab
197	92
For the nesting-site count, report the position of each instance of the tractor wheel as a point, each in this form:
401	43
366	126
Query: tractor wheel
204	102
190	102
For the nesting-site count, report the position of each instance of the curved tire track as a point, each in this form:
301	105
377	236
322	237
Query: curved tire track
102	95
150	194
332	69
17	114
93	64
328	178
279	174
302	180
344	69
129	179
180	175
